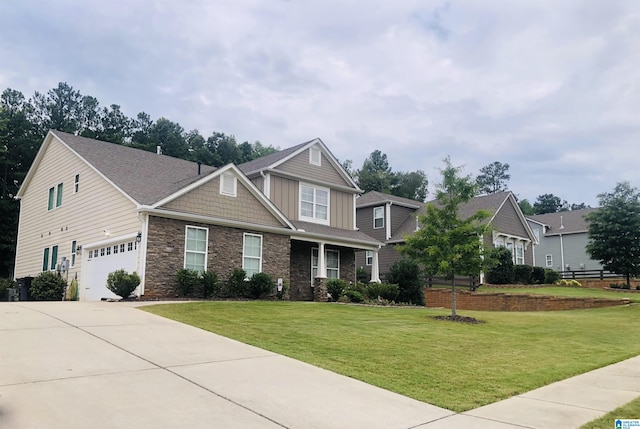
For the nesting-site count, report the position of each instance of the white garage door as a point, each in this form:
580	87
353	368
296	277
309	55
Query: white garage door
97	263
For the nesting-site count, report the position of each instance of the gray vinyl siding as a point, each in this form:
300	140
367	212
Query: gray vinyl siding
364	222
508	221
300	166
386	257
399	215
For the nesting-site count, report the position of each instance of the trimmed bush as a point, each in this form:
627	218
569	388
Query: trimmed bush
537	275
501	266
353	296
187	281
47	286
122	283
5	284
260	285
210	284
522	274
406	274
336	287
551	276
384	291
236	285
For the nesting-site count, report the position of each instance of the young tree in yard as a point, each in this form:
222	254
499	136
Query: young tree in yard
614	231
445	244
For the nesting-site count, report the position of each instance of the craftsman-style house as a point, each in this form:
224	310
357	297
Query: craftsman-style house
390	219
89	207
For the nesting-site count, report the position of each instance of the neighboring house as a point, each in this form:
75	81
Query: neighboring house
89	207
389	219
563	238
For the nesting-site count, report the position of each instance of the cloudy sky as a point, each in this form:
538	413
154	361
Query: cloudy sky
550	87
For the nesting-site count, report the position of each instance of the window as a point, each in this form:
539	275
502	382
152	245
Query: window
59	196
45	259
122	248
76	184
252	254
195	255
228	184
378	217
315	157
332	263
102	250
129	246
54	257
519	254
314	204
510	247
369	257
52	193
74	249
549	260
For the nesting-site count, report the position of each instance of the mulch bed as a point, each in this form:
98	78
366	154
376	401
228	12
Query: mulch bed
461	319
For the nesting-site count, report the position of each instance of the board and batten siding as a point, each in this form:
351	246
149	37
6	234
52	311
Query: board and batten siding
206	200
300	166
97	209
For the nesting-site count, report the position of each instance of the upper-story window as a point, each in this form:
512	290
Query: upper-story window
76	183
55	197
315	157
228	184
378	217
314	204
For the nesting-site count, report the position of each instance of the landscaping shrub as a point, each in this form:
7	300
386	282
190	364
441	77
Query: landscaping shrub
5	284
537	275
122	283
386	291
615	285
336	287
236	285
522	274
187	281
47	286
260	285
210	284
568	283
551	276
353	296
626	286
406	274
501	266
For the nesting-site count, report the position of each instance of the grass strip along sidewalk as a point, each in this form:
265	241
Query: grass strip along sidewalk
452	365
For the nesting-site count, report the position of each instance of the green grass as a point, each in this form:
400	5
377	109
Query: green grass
628	411
451	365
579	292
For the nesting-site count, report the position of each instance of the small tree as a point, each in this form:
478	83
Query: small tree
122	283
446	244
614	231
47	286
500	270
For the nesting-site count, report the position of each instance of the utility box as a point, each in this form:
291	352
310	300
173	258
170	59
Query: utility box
24	284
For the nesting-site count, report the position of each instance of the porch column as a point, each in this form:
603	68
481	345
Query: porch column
375	268
322	263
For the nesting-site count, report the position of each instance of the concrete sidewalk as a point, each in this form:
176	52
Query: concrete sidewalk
109	365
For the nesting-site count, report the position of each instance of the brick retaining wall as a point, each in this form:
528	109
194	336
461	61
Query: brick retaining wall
499	301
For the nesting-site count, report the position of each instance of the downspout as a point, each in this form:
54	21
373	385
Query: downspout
387	223
562	253
142	250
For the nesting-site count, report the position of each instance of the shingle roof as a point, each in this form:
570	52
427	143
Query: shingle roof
337	233
268	160
375	197
571	221
489	202
145	176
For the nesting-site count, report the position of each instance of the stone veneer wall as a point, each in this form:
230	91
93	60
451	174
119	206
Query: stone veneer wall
165	253
465	300
300	287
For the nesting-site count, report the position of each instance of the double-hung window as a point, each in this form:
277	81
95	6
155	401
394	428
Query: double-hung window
54	257
549	260
519	254
55	197
252	254
195	254
332	263
76	184
314	204
45	259
378	217
369	257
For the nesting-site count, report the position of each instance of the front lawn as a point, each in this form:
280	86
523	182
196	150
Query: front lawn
628	411
451	365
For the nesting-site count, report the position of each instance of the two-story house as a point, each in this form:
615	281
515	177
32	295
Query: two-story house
89	207
390	219
563	238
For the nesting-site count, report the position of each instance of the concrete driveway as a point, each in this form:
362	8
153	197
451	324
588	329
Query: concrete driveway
110	365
